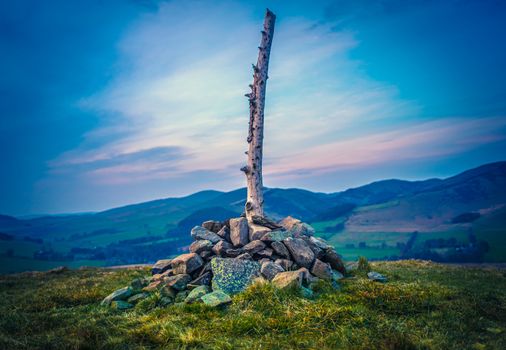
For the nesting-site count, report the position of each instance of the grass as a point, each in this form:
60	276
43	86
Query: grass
423	306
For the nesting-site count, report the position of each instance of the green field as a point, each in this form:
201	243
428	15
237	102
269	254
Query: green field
423	306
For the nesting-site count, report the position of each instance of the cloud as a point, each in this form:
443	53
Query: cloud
176	105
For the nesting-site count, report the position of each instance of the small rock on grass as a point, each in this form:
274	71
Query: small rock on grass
216	298
376	276
120	294
121	305
196	294
137	297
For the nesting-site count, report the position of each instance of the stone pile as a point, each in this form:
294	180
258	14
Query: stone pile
226	257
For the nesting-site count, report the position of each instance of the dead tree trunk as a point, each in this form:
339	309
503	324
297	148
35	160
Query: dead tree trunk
253	171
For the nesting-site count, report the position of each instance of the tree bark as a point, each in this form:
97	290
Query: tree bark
253	171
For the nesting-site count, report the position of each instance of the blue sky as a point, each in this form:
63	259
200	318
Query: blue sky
105	103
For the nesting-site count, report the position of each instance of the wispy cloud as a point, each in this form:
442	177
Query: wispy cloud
176	105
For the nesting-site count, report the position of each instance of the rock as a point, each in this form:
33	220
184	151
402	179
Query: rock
224	233
178	282
233	253
320	243
204	279
297	227
216	298
254	247
265	222
263	260
270	270
334	259
265	253
200	246
200	233
233	275
276	236
206	255
121	305
288	222
245	256
165	301
376	276
336	275
58	270
289	279
186	263
120	294
239	231
168	292
137	284
321	270
153	286
213	226
257	232
300	251
161	266
134	299
317	251
181	296
196	294
280	249
284	263
306	293
351	266
221	247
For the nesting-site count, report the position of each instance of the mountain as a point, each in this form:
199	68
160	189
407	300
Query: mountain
376	220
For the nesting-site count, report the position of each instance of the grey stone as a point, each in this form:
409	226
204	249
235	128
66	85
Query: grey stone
206	255
204	279
200	233
284	263
121	305
120	294
134	299
257	232
289	279
181	296
178	282
336	275
254	247
276	236
300	251
334	259
213	226
200	246
245	256
186	263
161	266
280	249
224	233
216	298
269	270
233	275
321	270
239	231
196	294
221	247
265	253
265	222
376	276
233	253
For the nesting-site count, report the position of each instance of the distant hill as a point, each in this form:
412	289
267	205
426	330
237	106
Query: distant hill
375	220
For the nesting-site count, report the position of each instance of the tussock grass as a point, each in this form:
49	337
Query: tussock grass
423	306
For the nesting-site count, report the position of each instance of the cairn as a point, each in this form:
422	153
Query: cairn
226	257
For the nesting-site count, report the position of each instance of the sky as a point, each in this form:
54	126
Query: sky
107	103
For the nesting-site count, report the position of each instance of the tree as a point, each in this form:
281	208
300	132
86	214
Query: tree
253	169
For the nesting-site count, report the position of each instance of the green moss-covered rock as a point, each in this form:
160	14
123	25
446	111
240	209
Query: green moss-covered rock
121	305
120	294
137	297
216	298
196	294
233	275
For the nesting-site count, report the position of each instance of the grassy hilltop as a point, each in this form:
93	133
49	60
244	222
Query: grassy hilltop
423	306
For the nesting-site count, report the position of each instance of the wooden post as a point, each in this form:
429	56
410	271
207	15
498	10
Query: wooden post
253	170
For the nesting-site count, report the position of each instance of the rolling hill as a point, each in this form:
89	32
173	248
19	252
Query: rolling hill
377	220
